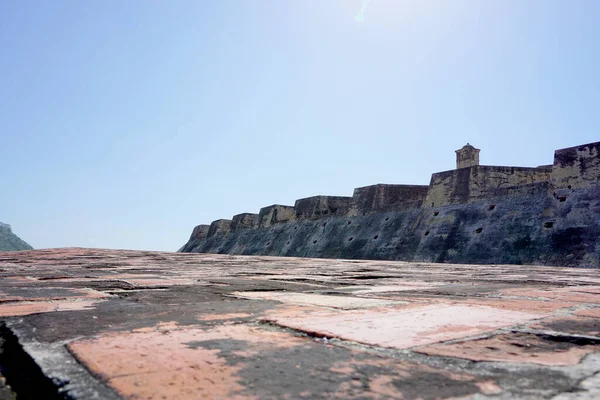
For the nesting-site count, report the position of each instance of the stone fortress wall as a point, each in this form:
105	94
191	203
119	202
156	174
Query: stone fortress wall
473	214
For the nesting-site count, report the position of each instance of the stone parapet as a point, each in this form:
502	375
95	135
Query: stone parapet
383	197
475	183
321	206
576	167
200	232
275	214
218	227
244	221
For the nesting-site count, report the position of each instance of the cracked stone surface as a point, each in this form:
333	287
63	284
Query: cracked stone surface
108	324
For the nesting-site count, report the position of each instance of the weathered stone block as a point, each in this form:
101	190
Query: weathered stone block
200	232
244	221
383	197
576	167
219	226
322	206
476	183
275	214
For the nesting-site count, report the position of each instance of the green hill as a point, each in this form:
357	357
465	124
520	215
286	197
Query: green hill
10	241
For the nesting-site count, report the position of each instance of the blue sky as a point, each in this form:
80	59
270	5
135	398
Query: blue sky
123	124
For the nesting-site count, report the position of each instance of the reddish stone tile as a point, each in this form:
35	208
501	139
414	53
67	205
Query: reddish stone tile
222	317
587	289
516	347
123	276
393	288
50	294
149	282
207	378
16	309
575	294
590	312
164	363
578	278
404	328
310	280
91	294
538	306
343	302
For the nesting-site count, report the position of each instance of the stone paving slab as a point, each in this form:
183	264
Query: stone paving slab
108	324
514	346
406	328
328	301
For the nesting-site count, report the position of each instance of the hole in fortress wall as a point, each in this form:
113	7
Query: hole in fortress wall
314	241
478	230
295	227
491	207
350	239
548	224
427	233
562	199
349	222
324	224
435	214
387	219
375	237
268	243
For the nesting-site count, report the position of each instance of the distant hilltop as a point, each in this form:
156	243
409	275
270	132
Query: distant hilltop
472	214
10	241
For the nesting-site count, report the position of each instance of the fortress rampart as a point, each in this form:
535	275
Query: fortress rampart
576	167
479	182
474	213
219	226
382	197
244	221
275	214
322	206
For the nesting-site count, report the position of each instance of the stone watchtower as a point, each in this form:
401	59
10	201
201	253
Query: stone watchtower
468	156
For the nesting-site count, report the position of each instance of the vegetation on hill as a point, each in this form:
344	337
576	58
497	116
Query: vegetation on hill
10	241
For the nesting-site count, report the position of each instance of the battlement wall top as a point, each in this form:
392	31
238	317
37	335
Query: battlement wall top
499	168
475	183
219	226
244	221
576	167
200	232
274	214
385	197
322	206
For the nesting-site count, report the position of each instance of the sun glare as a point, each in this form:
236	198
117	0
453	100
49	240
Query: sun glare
360	17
